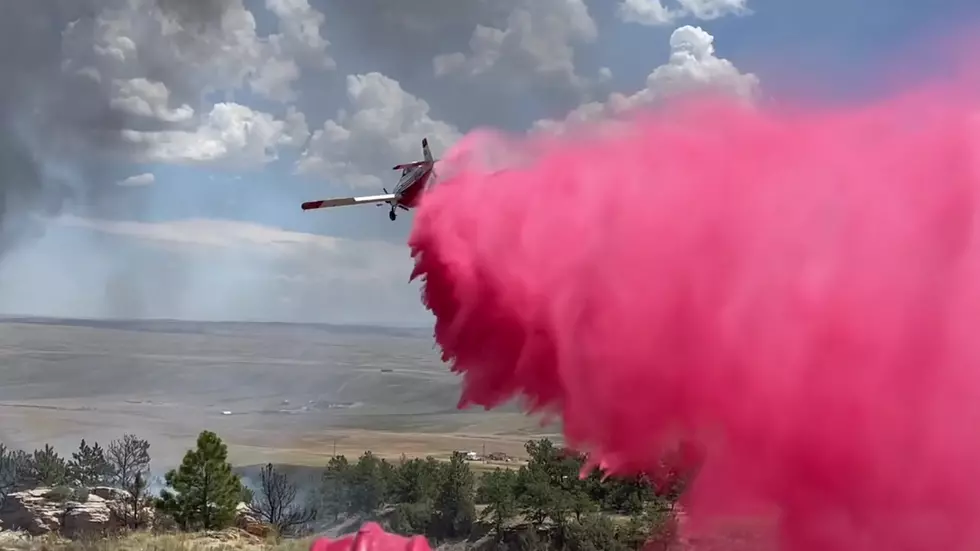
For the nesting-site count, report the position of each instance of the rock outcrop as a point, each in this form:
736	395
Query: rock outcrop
247	521
96	512
67	512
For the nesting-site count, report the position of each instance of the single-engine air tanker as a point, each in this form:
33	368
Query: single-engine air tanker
415	178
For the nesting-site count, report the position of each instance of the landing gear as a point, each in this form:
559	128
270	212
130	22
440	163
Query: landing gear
392	215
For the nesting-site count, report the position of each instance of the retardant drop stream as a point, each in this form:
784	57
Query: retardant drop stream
798	292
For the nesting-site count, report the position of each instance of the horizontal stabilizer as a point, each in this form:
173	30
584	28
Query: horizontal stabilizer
345	201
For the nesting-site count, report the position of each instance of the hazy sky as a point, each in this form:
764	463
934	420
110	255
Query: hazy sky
155	153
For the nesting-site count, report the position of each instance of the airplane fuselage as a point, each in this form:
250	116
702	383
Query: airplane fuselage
411	186
415	178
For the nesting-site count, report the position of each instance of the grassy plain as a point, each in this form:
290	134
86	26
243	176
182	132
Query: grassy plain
283	393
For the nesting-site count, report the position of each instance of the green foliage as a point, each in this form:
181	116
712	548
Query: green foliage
128	468
498	491
550	485
528	538
600	533
135	514
336	488
409	519
59	493
543	504
80	494
47	468
551	493
88	466
248	496
546	504
416	481
369	481
14	471
203	493
66	493
454	509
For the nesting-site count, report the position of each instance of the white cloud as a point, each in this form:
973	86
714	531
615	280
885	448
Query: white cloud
138	180
205	232
654	12
232	135
538	39
145	98
384	126
300	32
693	67
296	255
157	67
128	36
216	269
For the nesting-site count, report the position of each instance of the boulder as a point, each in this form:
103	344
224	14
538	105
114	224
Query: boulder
32	512
110	494
247	521
71	513
94	516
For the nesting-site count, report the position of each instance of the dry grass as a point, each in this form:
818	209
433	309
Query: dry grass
166	381
230	540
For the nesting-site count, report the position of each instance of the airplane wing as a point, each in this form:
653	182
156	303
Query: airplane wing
345	201
409	165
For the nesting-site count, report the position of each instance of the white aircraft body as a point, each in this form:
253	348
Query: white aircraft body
415	178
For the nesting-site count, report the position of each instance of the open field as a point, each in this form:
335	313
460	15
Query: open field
275	392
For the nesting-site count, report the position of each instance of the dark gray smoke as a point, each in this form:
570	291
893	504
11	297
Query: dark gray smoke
60	140
195	14
36	106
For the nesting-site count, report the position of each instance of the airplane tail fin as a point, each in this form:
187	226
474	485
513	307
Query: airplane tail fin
426	153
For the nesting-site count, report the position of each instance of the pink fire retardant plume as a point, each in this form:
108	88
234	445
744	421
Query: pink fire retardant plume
798	291
371	537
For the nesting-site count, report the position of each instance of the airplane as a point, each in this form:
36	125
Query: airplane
415	178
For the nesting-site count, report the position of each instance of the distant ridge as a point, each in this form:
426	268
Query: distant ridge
193	326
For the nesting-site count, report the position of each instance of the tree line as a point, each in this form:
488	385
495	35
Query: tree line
203	493
122	464
542	504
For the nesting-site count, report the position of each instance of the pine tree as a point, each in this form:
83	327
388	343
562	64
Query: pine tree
47	468
203	493
335	487
14	471
498	490
88	466
135	510
368	484
455	511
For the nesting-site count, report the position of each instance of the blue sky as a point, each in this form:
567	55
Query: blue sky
339	92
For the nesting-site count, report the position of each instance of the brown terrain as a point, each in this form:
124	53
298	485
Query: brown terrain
274	392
